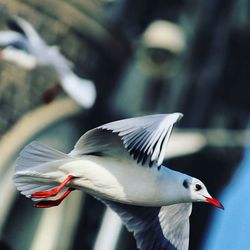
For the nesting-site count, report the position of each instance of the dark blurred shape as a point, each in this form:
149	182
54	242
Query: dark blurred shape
218	66
13	25
4	245
50	94
148	84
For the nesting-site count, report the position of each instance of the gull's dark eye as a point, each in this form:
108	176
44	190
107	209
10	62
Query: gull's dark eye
198	187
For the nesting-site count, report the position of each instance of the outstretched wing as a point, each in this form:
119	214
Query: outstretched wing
23	27
38	46
144	138
155	228
13	39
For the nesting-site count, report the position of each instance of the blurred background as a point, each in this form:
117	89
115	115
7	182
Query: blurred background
143	57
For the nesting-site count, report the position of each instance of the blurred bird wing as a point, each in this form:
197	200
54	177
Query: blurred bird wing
144	138
19	57
156	228
83	91
31	34
12	38
46	54
56	52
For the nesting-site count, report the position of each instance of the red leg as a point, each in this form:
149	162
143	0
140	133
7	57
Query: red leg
54	191
53	203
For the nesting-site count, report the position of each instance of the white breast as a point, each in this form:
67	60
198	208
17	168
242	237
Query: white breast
121	181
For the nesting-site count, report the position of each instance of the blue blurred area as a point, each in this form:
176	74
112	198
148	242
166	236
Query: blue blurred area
231	228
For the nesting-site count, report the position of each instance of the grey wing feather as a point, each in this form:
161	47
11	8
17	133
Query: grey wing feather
100	142
174	221
37	153
165	228
144	138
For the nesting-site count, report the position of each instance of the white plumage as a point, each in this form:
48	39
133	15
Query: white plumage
28	41
120	163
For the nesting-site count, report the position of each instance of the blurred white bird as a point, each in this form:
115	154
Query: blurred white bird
120	163
24	39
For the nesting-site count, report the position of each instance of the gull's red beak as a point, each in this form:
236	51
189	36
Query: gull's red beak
214	202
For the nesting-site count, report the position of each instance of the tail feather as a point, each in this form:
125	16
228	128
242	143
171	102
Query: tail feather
37	153
28	190
37	168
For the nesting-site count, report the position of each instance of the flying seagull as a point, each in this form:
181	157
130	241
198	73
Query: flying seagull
24	39
120	163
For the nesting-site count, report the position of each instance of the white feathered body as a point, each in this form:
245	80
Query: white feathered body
123	182
121	163
107	178
103	167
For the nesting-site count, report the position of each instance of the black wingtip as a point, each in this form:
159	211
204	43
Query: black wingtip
151	163
144	160
13	24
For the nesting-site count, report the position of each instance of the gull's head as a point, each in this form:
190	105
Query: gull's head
199	193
